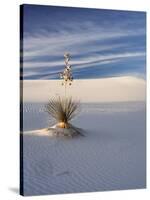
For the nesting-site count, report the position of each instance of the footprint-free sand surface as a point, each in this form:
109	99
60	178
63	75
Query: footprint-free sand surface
110	156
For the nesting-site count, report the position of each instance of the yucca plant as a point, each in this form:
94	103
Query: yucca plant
63	110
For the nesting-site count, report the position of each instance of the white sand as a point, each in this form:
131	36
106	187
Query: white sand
39	132
115	89
111	156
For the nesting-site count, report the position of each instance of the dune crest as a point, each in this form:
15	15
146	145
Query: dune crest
116	89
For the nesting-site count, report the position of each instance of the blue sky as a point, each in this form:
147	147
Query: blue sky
102	43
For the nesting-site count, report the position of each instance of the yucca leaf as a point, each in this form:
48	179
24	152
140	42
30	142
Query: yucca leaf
62	109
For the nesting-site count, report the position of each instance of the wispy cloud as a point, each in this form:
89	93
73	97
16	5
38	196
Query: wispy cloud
90	42
78	63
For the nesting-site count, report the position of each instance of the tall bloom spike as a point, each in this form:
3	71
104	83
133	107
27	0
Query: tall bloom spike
66	75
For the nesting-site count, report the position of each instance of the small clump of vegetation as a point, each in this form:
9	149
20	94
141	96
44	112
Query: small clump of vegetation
63	110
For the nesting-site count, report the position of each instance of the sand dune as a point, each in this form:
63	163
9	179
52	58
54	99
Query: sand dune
111	156
94	90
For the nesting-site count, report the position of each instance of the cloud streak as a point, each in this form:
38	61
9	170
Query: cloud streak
92	43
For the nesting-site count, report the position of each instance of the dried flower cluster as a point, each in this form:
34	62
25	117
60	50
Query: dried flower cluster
66	75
